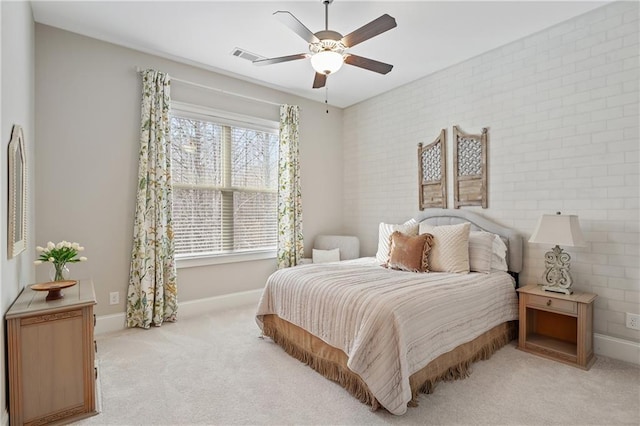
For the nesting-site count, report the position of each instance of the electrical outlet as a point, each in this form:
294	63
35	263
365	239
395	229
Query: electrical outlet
633	321
114	298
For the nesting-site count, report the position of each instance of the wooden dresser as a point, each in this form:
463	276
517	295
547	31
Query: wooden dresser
52	376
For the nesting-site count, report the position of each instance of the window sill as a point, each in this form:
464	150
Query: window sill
195	261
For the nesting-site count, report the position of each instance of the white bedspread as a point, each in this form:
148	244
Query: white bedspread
389	323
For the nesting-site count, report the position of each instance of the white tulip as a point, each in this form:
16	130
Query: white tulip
59	245
37	262
50	245
80	248
51	259
39	249
83	259
75	246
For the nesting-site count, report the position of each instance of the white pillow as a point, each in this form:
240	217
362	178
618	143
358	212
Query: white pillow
325	256
499	258
450	251
385	230
480	251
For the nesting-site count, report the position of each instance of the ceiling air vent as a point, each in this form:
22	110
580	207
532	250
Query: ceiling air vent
241	53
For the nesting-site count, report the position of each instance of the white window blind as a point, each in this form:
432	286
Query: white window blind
225	177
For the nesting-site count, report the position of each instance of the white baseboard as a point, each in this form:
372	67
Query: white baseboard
192	308
109	323
612	347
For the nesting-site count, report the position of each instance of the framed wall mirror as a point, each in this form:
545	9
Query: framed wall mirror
17	214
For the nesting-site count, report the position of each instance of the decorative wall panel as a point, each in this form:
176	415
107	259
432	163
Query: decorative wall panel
432	173
470	168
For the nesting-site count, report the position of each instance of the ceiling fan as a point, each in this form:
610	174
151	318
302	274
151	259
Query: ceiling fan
329	49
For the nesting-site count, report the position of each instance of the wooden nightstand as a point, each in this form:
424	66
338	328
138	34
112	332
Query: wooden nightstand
557	326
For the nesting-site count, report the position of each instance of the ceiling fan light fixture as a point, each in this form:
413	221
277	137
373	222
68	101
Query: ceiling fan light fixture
328	48
327	62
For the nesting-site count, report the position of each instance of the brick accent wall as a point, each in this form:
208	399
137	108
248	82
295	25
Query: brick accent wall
562	110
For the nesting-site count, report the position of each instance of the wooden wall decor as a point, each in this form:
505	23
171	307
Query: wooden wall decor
470	173
432	173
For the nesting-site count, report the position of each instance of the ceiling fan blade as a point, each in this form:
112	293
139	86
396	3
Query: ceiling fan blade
298	27
279	59
367	31
319	80
368	64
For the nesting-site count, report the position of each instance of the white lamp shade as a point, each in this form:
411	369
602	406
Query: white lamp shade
327	62
558	229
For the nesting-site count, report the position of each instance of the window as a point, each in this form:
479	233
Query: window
225	174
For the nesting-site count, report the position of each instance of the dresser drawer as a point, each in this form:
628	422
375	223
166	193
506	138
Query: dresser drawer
552	303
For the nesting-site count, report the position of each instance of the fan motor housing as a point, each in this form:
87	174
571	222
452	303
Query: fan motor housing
329	40
328	35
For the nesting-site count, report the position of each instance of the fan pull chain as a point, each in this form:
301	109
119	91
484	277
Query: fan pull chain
326	97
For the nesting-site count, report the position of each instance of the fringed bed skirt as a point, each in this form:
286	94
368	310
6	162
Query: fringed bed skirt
332	362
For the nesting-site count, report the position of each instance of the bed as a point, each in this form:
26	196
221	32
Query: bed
387	335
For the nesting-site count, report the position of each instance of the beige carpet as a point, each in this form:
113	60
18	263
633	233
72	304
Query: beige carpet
215	370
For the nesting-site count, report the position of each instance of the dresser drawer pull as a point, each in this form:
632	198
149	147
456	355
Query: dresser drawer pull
94	320
95	370
95	346
549	302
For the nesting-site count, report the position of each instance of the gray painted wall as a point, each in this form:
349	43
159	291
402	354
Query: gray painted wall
87	119
17	108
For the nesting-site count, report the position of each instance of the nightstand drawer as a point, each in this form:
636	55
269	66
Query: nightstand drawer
560	305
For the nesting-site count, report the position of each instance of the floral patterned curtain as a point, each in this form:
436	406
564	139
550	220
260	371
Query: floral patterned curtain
152	295
290	240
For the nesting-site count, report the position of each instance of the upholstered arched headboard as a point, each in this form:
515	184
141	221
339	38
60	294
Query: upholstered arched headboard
512	239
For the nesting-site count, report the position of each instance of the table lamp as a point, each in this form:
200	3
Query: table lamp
561	230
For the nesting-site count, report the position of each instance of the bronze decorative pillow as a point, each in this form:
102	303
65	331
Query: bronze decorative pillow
409	253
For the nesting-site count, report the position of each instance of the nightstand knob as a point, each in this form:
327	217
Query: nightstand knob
549	302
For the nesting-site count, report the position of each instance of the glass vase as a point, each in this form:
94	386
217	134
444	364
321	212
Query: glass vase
59	272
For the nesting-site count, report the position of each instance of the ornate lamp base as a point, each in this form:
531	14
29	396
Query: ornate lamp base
556	277
557	289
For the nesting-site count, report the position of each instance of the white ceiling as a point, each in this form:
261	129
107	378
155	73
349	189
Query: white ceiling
430	36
